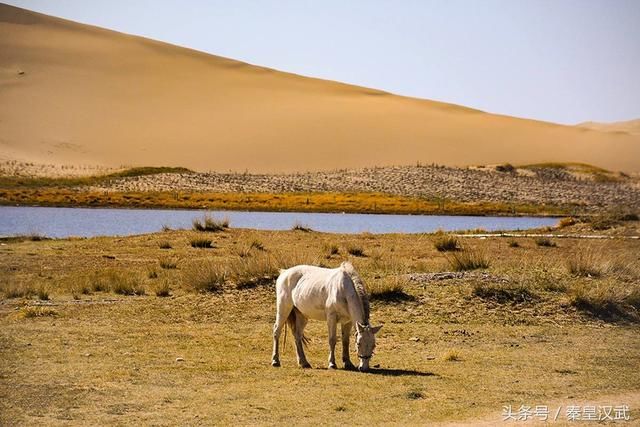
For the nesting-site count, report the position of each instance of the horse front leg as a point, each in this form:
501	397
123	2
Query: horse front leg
332	323
346	337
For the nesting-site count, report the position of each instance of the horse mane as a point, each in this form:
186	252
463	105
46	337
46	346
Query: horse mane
361	290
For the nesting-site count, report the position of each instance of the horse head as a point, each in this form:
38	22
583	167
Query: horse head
365	343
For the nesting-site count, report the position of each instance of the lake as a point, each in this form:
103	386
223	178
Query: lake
85	222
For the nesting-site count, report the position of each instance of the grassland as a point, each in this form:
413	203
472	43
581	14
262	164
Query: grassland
96	331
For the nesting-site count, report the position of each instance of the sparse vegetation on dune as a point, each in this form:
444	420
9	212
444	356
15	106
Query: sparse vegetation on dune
444	331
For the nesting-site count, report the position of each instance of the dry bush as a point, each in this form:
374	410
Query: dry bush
249	272
210	223
444	242
514	244
468	259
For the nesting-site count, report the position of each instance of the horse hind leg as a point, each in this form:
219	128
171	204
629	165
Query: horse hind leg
282	314
298	322
332	323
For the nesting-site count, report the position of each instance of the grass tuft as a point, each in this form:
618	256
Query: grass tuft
503	292
356	250
545	242
469	259
210	223
168	264
298	226
444	242
514	244
206	276
165	244
37	311
162	289
201	243
452	356
389	289
609	300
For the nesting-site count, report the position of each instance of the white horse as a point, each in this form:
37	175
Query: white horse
336	295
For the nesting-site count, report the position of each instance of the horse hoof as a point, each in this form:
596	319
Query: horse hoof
275	363
305	366
349	367
333	366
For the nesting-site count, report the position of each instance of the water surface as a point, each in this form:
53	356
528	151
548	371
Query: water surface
85	222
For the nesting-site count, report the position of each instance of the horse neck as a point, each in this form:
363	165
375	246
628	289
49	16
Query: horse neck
356	309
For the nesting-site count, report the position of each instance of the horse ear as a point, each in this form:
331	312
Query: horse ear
375	329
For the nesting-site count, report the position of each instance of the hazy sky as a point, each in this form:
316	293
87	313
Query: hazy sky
565	61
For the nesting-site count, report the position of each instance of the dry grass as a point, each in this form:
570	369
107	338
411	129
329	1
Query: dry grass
355	250
162	289
588	262
164	244
503	293
298	226
121	351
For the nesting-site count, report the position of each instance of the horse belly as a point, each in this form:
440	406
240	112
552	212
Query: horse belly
310	303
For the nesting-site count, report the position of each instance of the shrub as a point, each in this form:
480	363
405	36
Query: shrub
469	259
168	264
210	223
165	244
503	292
356	250
201	243
444	242
545	242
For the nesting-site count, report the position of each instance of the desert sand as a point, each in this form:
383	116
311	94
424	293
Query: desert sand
629	127
76	94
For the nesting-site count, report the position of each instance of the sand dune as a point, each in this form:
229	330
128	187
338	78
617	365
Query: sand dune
76	94
631	127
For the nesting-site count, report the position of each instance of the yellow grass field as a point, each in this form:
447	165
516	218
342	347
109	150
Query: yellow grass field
86	337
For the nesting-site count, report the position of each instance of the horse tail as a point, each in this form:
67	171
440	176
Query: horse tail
291	321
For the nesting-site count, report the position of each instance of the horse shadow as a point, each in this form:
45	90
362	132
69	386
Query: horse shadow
399	372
